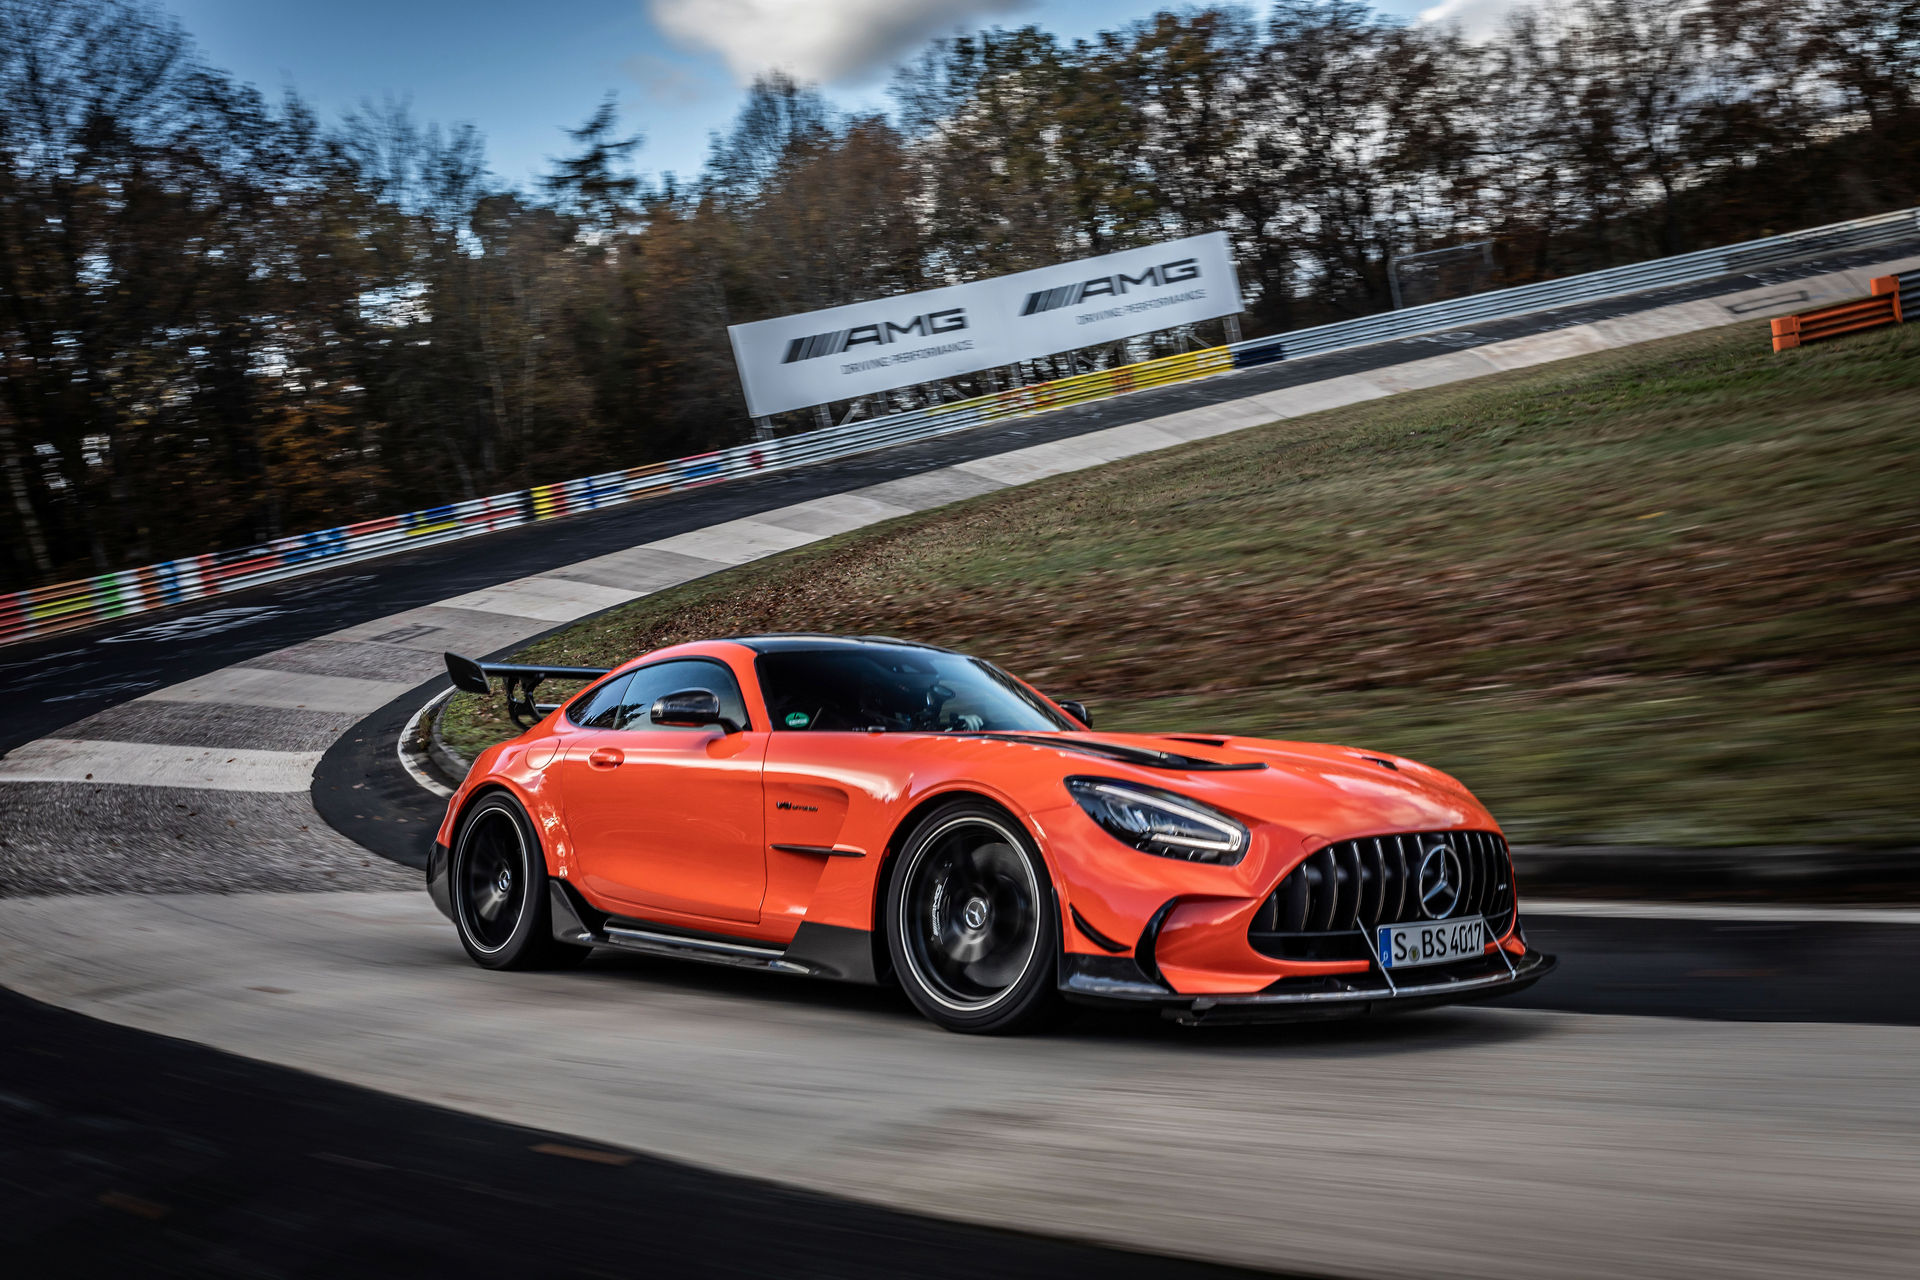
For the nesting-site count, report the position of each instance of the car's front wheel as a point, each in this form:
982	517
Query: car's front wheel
498	880
970	922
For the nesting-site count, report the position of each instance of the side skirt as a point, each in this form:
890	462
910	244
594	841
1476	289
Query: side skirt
817	950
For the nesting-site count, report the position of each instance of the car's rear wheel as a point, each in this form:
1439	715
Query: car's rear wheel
498	880
970	922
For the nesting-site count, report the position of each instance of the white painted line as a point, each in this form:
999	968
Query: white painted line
414	771
144	764
1543	348
1076	453
549	599
1208	421
835	513
1668	322
1432	371
258	687
1041	461
433	628
641	569
1315	397
1727	911
931	489
1134	438
735	542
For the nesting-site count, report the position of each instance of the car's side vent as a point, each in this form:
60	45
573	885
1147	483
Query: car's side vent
1325	907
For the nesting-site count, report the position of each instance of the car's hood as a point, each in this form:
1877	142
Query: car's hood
1329	791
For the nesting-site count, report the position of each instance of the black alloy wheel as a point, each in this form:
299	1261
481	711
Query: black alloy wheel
972	927
499	884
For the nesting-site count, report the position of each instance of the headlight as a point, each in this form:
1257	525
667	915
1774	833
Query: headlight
1156	821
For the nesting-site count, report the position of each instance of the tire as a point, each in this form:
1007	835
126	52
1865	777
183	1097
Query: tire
971	924
498	883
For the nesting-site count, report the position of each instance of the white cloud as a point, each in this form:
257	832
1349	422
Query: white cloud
822	40
1477	19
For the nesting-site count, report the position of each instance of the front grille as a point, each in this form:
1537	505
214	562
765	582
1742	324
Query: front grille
1327	906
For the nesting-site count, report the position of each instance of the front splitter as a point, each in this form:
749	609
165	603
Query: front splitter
1119	982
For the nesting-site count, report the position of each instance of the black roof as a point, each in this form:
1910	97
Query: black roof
792	641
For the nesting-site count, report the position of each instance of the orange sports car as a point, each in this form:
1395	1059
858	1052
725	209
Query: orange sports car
880	811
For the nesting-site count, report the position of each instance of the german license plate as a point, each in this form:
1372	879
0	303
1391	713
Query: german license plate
1403	946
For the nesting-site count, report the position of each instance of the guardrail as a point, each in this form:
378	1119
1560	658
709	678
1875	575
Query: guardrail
1881	307
1687	268
69	605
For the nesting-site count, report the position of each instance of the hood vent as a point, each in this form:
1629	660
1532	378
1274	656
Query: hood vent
1142	756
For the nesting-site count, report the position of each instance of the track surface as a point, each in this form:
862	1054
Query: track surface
218	1166
69	677
1446	1143
1744	970
1585	1144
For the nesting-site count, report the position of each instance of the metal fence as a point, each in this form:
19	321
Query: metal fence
68	605
1688	268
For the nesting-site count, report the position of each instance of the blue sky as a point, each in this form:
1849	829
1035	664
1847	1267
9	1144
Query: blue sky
522	70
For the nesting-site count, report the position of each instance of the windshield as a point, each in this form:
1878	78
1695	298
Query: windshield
897	689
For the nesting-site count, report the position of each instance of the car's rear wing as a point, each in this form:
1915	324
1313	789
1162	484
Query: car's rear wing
518	681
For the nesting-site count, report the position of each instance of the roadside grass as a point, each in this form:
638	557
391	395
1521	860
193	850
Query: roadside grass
1662	595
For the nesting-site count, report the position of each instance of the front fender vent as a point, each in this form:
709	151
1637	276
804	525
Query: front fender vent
1327	907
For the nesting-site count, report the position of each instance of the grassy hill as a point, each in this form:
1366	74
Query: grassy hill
1663	595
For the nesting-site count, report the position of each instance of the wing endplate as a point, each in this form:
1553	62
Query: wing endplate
517	680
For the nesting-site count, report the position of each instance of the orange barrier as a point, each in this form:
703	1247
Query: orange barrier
1881	307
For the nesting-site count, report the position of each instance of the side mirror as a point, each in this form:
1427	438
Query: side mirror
691	709
1078	710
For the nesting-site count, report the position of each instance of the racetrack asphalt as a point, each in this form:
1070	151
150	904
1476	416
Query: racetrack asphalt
1450	1143
128	1154
1701	1151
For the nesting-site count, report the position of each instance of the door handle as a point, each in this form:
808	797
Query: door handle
606	757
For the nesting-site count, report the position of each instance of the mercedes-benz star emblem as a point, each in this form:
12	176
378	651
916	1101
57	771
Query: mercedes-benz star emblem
1439	882
975	914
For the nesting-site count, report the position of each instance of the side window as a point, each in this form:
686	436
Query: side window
650	684
599	707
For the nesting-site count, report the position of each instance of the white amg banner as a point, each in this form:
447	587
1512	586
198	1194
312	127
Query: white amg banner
843	352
